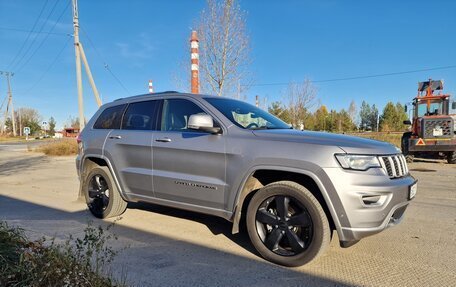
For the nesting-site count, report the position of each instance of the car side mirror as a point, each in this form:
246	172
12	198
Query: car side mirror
202	122
407	122
405	108
453	105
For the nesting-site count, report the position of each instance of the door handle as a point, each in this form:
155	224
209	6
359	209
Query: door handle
163	140
115	137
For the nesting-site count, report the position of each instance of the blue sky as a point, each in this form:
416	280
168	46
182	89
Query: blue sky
291	40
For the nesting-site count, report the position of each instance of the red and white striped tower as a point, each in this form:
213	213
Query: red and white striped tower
195	63
151	87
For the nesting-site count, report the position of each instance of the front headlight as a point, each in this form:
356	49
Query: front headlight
357	162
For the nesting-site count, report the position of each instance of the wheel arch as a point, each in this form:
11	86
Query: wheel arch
263	175
92	160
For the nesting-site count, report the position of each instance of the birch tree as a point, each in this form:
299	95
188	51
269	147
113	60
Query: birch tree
301	98
224	48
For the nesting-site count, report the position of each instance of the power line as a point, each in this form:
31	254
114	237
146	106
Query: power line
48	68
363	77
36	37
44	39
29	34
4	100
106	66
33	32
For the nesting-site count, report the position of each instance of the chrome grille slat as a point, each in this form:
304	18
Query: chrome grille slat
404	163
398	164
394	165
393	170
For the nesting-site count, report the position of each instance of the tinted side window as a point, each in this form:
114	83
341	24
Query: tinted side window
110	118
176	113
141	116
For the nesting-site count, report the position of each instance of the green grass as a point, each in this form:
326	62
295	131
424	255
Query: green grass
77	262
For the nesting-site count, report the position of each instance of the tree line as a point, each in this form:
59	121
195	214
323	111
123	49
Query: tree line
299	108
28	117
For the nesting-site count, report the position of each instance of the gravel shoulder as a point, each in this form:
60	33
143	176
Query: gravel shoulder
164	246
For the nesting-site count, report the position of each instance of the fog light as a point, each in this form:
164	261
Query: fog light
371	199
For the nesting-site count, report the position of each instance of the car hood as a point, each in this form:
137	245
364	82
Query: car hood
350	144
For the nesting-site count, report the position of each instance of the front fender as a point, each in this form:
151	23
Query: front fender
320	178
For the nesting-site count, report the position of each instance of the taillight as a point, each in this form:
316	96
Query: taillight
80	144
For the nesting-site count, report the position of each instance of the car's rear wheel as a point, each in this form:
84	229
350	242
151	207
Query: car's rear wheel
287	224
102	195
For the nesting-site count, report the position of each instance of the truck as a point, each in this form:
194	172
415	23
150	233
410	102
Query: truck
433	125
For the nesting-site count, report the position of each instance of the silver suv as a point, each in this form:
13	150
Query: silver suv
227	158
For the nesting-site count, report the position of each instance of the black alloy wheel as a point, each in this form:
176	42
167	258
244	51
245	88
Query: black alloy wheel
102	196
287	224
284	225
98	191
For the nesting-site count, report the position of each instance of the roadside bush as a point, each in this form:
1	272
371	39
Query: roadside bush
77	262
60	147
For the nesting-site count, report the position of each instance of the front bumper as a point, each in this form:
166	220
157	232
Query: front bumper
371	201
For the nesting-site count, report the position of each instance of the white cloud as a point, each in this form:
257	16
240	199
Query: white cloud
141	48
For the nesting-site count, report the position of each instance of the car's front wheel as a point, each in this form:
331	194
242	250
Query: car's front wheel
287	224
102	195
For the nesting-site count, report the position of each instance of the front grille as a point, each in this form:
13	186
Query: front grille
433	128
394	165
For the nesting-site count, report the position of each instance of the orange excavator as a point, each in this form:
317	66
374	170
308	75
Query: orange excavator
433	131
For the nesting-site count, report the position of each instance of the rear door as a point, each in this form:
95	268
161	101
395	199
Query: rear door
94	137
129	149
189	166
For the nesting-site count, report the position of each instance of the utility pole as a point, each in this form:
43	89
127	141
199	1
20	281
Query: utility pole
10	100
78	64
20	121
80	55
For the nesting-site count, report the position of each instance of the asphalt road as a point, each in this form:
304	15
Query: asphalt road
166	247
22	145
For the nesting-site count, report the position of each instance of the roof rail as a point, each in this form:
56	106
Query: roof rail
150	94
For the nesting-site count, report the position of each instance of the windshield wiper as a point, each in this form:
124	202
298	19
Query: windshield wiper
267	128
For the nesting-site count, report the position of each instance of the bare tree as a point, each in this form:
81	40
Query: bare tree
72	122
224	48
301	97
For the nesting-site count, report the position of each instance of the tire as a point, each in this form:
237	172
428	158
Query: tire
304	233
451	157
405	147
101	194
409	158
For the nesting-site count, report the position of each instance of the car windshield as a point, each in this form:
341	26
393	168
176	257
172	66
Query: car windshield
246	116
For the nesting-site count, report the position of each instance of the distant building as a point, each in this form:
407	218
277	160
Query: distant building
58	134
70	132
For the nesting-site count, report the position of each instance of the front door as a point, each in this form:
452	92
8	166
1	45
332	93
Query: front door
189	166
